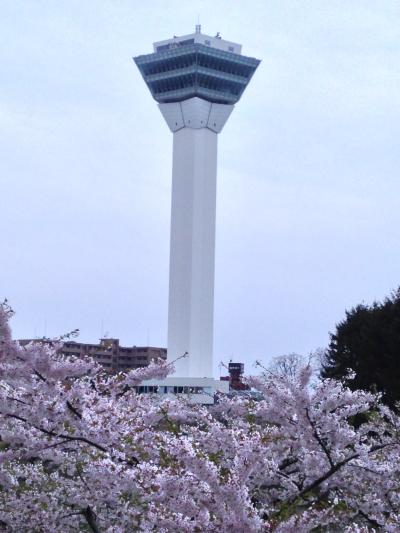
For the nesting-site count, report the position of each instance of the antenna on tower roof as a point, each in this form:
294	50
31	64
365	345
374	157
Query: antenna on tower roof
198	25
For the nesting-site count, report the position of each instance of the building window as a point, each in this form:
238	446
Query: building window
187	390
185	43
162	47
231	49
207	42
144	389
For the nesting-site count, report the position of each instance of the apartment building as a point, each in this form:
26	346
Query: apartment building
110	354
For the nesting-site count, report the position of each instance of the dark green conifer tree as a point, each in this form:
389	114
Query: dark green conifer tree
367	342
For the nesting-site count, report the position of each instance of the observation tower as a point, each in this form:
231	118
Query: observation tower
196	81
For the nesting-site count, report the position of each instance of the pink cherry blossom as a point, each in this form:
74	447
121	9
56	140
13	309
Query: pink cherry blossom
82	451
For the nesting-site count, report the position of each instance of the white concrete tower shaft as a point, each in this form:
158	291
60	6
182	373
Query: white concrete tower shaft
192	251
195	124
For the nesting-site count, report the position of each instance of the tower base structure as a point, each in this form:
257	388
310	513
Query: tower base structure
195	390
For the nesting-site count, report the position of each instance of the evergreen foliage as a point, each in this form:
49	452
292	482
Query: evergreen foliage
367	342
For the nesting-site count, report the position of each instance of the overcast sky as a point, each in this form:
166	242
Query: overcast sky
308	216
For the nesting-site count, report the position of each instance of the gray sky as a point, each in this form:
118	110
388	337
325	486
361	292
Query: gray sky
308	214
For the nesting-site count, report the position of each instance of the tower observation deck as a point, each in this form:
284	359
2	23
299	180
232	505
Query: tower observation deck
196	65
196	80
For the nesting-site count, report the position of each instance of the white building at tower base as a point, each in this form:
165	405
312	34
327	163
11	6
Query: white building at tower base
196	390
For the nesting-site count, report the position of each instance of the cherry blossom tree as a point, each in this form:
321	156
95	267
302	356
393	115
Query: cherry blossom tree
82	451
